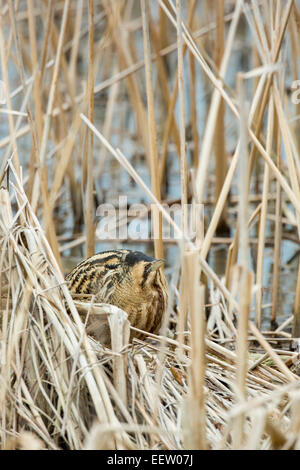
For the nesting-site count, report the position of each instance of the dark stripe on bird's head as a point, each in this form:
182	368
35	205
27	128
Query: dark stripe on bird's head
104	259
134	257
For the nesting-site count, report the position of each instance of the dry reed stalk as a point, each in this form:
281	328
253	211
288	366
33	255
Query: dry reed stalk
282	25
182	117
280	178
277	229
163	29
245	284
40	74
288	145
54	37
126	164
4	65
233	249
296	321
41	179
132	69
50	103
48	17
220	148
194	434
109	114
163	79
152	137
89	212
119	326
226	186
36	90
194	119
42	173
263	217
163	158
105	404
116	27
183	174
294	176
75	45
294	31
48	21
35	71
207	141
64	160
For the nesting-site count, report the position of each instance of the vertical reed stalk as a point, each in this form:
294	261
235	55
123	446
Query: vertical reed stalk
121	42
50	104
285	15
168	126
220	148
152	138
194	419
277	232
89	213
183	172
194	119
209	133
35	70
75	46
5	78
263	218
163	80
245	278
183	165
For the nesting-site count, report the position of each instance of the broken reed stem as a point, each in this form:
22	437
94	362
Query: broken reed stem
89	213
194	421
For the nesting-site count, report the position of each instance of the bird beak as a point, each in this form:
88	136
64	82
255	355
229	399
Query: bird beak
155	265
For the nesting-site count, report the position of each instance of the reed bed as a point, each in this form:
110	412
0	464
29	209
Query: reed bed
188	103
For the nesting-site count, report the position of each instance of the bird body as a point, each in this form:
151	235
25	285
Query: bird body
128	279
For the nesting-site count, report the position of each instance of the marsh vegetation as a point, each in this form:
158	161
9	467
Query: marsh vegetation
193	103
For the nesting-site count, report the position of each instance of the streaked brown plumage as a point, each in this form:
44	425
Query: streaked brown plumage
128	279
